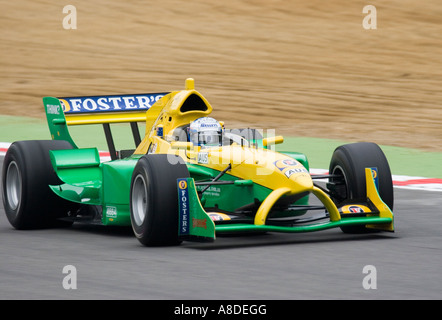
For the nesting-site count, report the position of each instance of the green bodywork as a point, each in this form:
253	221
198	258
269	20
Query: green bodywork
107	184
88	181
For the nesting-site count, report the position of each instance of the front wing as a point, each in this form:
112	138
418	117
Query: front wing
195	224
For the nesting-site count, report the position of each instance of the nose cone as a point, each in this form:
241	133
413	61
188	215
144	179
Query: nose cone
296	173
303	181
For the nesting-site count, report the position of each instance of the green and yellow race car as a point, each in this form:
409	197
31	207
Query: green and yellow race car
189	178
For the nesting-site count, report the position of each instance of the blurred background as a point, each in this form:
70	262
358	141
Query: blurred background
305	68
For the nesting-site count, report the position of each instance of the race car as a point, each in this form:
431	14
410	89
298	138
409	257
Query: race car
189	178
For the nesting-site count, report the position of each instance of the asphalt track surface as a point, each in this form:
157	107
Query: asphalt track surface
111	264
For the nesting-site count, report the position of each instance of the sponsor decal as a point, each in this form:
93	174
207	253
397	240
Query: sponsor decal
199	223
134	102
65	105
152	148
183	201
160	131
374	172
285	163
209	125
111	212
355	208
290	172
53	109
182	184
289	162
212	191
203	157
216	216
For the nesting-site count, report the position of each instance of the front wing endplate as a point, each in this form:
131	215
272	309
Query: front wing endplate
194	223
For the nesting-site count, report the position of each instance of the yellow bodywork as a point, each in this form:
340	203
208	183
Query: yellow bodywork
278	172
384	210
167	113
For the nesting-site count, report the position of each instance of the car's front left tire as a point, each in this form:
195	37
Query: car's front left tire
347	166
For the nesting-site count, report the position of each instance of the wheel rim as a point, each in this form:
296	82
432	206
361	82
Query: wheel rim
337	170
139	200
13	185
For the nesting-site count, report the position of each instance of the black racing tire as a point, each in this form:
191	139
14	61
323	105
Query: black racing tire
27	172
349	163
154	199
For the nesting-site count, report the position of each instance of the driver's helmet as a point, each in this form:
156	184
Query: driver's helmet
206	132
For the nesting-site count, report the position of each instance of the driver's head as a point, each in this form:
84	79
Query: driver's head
206	132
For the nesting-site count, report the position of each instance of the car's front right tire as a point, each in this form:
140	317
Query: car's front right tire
154	199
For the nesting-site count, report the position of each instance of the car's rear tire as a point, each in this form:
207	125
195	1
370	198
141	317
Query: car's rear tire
154	199
28	201
348	162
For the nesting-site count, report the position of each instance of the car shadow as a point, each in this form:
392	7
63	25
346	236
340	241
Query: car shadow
277	239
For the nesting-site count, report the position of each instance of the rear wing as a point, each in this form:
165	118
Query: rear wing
105	110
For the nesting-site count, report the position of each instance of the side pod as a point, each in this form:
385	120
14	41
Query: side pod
80	171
